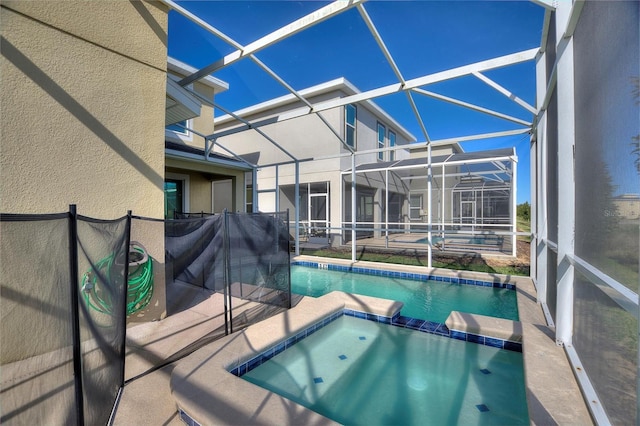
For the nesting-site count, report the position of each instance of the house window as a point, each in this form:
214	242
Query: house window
392	143
381	135
178	127
415	206
350	113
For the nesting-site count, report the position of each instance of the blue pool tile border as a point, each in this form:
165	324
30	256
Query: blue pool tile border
403	275
397	320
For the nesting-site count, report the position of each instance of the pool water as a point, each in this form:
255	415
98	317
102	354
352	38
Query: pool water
359	372
427	300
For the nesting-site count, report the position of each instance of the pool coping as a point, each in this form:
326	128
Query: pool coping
417	276
513	344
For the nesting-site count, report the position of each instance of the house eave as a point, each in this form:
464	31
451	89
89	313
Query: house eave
212	161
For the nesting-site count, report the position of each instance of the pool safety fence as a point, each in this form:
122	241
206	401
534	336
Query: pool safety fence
62	351
78	294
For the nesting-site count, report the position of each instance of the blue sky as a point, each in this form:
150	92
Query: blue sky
423	37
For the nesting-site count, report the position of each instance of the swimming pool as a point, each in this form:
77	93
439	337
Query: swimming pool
424	299
355	371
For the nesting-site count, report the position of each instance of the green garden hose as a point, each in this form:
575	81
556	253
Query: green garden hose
139	282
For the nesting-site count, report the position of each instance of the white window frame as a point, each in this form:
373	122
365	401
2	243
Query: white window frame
349	125
381	143
419	208
185	136
392	144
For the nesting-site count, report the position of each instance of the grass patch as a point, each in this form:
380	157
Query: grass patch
464	262
523	225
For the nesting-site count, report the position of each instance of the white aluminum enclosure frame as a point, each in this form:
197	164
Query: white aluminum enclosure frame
406	86
451	160
560	80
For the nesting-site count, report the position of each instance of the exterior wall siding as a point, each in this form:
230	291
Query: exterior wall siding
83	107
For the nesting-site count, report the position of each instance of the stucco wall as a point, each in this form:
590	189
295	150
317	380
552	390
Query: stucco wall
83	107
82	122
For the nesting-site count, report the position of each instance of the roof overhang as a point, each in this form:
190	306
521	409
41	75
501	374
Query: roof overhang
180	105
191	154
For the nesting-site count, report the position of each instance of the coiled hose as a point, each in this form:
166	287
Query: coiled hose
139	281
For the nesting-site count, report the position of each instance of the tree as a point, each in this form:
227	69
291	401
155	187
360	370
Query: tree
524	211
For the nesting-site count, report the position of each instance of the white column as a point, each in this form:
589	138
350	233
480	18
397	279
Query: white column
514	207
533	178
429	233
277	189
566	188
443	190
254	193
297	204
353	207
386	206
539	192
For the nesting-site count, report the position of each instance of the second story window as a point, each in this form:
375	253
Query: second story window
392	143
178	131
350	114
178	127
381	136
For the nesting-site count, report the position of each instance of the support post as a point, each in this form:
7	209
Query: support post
75	313
386	207
297	206
288	264
228	314
429	233
254	193
353	207
443	190
277	189
566	187
514	208
533	179
123	312
540	190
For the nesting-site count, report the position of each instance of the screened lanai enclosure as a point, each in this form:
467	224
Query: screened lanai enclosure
459	202
421	144
576	140
463	202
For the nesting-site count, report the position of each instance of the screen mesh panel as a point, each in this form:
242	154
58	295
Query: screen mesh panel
606	50
36	338
102	261
607	127
606	339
